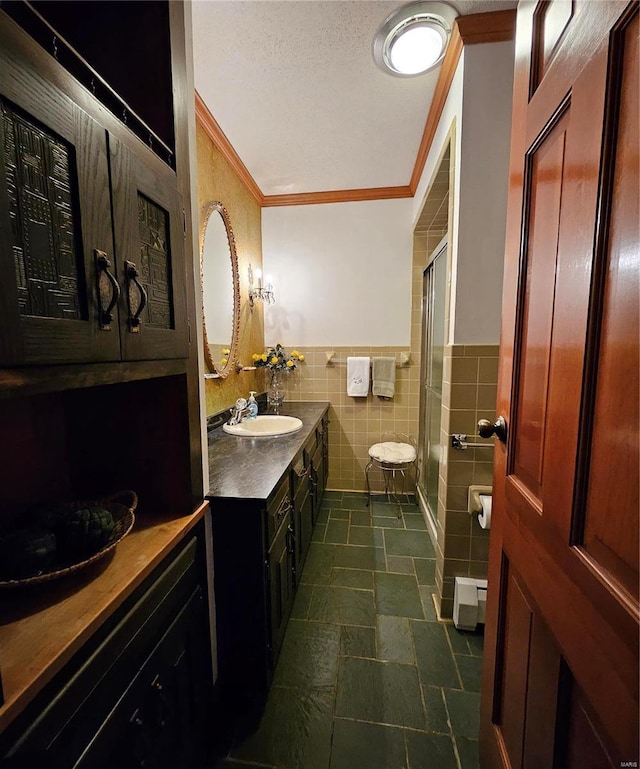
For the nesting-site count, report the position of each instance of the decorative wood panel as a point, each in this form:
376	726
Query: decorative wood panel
546	164
550	21
510	705
609	519
585	746
155	262
150	249
40	176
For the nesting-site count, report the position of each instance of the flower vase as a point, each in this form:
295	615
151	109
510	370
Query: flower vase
275	393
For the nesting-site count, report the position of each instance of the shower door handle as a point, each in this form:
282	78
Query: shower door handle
486	429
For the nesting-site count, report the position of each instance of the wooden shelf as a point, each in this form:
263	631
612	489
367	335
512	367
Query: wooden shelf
43	626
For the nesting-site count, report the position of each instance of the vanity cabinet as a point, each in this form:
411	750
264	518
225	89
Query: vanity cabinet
280	563
260	542
319	465
302	509
91	224
138	694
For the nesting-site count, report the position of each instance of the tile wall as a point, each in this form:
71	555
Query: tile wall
357	423
469	394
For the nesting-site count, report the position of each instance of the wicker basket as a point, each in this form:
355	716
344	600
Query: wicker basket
121	505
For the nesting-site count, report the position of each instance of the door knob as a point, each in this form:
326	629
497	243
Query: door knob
486	429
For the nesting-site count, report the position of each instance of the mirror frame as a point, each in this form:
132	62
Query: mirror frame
223	372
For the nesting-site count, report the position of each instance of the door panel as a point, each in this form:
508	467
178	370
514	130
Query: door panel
561	652
613	478
149	240
545	198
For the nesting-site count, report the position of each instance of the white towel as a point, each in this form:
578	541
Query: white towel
384	377
358	377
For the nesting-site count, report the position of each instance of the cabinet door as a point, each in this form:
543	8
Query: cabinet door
161	719
280	584
318	478
303	507
149	242
55	219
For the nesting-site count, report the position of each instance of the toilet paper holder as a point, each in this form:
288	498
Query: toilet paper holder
474	503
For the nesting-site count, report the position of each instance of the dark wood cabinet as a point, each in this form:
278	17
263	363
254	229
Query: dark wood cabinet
260	546
302	509
91	231
280	577
98	383
139	694
149	247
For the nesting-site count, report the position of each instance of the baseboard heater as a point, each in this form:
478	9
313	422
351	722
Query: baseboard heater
469	602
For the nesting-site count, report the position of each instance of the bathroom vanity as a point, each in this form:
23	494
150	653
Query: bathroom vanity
265	494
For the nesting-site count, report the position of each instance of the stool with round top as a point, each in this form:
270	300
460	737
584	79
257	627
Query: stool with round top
394	455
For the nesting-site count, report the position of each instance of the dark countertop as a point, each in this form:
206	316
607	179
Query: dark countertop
250	468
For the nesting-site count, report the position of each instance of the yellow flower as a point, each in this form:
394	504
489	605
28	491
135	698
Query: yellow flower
300	358
295	354
263	357
274	360
255	356
226	352
289	363
223	361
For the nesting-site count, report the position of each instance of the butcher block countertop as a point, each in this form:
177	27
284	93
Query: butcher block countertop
43	626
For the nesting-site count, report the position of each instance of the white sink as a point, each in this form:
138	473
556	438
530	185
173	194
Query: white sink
264	425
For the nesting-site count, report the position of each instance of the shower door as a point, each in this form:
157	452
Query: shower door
433	330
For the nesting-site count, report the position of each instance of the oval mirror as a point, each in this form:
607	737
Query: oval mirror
220	289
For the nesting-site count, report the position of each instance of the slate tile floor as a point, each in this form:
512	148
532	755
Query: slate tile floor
367	677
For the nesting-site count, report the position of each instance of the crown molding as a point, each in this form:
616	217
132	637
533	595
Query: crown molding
218	137
338	196
447	71
493	27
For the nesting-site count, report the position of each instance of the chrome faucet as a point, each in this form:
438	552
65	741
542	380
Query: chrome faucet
239	412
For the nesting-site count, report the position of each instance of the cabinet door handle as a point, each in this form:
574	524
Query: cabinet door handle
131	271
103	265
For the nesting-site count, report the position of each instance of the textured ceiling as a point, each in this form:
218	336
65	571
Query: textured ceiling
293	85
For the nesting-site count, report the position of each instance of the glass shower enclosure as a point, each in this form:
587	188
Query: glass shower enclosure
433	339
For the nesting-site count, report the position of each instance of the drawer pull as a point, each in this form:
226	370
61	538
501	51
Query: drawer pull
282	511
103	266
131	271
136	718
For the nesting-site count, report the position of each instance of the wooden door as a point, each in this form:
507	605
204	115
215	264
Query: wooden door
560	680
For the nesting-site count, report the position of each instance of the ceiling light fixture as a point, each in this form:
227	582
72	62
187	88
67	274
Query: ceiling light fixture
414	38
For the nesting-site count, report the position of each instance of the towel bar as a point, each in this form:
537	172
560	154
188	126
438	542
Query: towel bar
459	441
404	360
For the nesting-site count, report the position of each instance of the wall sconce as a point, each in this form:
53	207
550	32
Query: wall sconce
263	293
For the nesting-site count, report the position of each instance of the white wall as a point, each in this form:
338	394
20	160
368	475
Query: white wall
479	104
341	272
484	171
